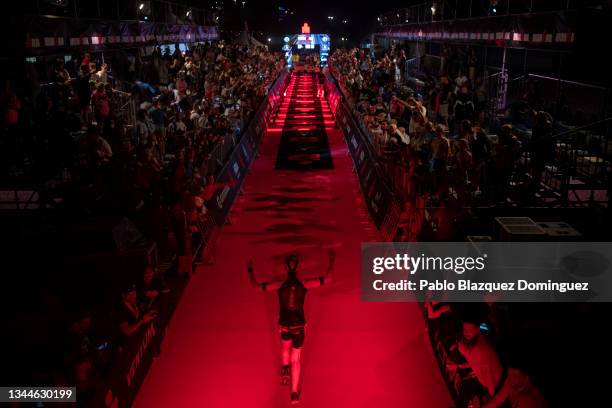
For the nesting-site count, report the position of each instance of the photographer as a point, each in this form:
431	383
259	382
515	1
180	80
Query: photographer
419	114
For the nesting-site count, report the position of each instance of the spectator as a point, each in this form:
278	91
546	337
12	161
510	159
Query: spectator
542	147
102	74
79	343
440	149
464	106
472	61
131	318
10	105
101	103
86	59
83	91
150	289
83	343
86	378
143	129
481	357
505	157
101	149
481	149
163	72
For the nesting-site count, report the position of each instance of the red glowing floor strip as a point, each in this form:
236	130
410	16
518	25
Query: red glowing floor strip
311	109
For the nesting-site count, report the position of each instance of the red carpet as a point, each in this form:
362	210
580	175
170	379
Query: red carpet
223	349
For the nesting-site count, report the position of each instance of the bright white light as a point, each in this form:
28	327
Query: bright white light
286	39
494	10
378	18
269	39
433	9
188	13
146	18
330	17
141	6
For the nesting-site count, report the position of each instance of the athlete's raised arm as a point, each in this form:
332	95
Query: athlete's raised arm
265	286
327	278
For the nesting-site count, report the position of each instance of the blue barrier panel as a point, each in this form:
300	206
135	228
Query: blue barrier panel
378	196
131	364
234	171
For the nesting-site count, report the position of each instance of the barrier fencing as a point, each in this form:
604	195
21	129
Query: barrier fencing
382	204
131	364
385	208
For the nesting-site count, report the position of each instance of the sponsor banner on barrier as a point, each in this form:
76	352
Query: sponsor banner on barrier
132	362
377	195
234	172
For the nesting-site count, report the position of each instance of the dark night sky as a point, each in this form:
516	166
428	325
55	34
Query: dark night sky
262	16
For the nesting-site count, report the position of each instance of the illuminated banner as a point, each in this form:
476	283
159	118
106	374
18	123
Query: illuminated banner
298	43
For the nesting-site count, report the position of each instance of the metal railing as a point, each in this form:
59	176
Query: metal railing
447	10
576	174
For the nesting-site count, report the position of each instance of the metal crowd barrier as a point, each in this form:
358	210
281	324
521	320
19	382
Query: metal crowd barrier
383	205
130	366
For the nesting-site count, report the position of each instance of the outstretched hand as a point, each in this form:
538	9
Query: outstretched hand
332	254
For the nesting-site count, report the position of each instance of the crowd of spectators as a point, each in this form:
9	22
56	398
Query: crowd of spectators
190	110
432	133
184	107
433	138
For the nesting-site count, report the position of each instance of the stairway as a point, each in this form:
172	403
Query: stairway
303	120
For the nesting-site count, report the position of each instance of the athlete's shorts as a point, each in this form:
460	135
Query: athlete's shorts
295	334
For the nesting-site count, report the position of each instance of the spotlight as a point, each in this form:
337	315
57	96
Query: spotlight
269	39
188	13
141	6
493	7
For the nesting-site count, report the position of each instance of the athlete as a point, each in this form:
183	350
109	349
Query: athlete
291	321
